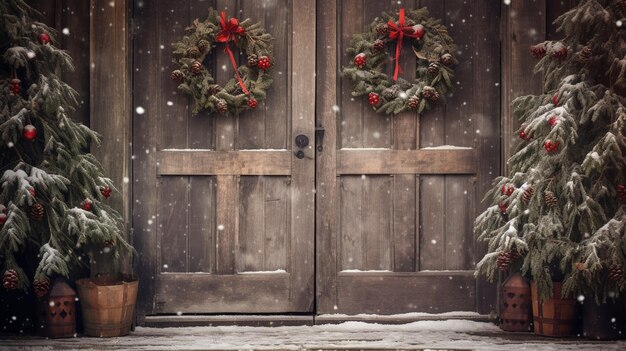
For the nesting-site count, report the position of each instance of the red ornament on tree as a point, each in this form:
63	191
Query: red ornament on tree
29	132
503	206
360	60
86	205
44	38
105	191
507	189
373	99
14	86
264	63
553	120
551	146
252	103
555	99
523	135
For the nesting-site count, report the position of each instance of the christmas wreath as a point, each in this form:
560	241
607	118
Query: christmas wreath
250	83
433	47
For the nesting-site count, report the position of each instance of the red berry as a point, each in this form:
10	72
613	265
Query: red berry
3	218
523	135
374	99
507	189
503	206
86	205
555	99
360	60
29	132
264	63
553	120
106	191
44	38
252	103
551	146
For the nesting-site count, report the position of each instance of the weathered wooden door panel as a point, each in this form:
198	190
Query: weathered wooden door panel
230	226
397	194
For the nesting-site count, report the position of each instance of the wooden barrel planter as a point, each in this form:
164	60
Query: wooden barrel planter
516	307
108	308
605	321
555	316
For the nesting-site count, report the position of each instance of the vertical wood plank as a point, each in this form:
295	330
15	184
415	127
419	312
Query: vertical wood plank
173	211
252	223
351	127
377	217
277	107
201	224
351	223
144	137
460	130
303	170
276	223
327	222
252	122
432	133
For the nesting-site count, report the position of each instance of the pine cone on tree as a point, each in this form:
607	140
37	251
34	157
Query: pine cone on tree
10	279
506	258
616	273
433	68
378	45
413	102
196	67
202	45
550	199
253	60
222	106
538	51
37	211
41	287
382	29
528	194
559	51
193	52
585	54
177	75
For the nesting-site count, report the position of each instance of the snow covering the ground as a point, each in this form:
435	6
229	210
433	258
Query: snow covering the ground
432	335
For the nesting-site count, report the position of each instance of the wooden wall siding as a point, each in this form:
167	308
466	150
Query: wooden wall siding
221	210
408	219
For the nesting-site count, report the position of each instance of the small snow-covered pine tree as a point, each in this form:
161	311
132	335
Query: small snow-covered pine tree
52	192
562	210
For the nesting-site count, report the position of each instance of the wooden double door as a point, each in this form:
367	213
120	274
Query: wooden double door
374	217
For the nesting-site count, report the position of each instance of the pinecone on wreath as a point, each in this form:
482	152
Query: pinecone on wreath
447	59
37	211
430	94
433	68
253	60
41	287
193	51
378	45
382	29
391	92
214	89
177	75
202	45
222	106
616	273
196	67
10	279
413	102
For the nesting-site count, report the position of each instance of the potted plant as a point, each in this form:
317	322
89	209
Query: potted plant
53	194
554	217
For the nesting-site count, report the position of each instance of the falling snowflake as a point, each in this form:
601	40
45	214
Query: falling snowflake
140	110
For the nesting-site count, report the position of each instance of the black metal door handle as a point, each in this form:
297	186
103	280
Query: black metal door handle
302	141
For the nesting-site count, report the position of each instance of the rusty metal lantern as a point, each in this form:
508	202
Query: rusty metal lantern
57	313
516	304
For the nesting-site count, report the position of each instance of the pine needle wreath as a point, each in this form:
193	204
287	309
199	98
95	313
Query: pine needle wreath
249	85
432	46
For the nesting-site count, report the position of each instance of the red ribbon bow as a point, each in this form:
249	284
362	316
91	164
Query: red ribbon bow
230	30
399	31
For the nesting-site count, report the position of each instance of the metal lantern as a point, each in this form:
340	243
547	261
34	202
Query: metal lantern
516	304
57	313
